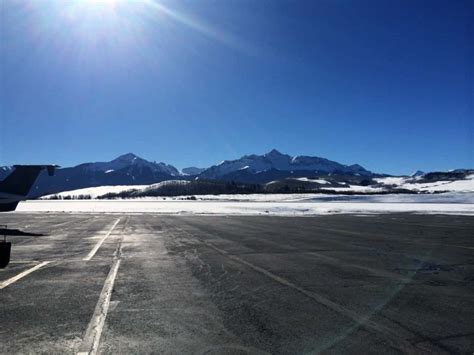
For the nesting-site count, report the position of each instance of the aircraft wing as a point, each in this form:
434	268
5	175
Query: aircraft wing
17	185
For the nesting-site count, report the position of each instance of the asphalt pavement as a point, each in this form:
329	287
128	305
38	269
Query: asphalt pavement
151	283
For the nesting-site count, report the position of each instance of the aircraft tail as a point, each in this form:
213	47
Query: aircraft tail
20	181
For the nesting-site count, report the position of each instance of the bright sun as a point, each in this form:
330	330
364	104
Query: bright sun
100	3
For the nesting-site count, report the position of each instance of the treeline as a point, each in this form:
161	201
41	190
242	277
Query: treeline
446	176
68	197
199	187
212	187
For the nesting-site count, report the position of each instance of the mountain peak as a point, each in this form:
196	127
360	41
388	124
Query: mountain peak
417	173
273	152
128	157
131	160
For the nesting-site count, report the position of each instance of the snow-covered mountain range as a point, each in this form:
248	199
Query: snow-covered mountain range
127	169
274	160
273	171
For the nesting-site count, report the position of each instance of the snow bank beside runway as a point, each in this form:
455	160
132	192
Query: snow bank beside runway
447	197
281	208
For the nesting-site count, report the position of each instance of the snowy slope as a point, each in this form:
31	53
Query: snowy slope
319	181
95	192
465	185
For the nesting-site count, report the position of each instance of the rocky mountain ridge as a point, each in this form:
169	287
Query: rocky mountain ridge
275	169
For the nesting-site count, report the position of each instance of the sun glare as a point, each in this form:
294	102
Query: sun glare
101	2
101	6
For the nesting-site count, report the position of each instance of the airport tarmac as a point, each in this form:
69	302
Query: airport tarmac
151	283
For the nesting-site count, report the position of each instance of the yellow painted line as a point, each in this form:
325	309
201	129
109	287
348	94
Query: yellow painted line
99	243
22	275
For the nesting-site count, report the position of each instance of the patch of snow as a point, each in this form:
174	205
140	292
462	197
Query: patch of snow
109	171
165	183
392	180
355	188
319	181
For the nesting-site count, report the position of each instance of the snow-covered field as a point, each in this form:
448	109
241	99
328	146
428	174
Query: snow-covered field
466	185
459	201
284	205
449	197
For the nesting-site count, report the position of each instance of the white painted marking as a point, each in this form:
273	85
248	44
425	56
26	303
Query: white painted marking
90	343
22	274
35	262
99	243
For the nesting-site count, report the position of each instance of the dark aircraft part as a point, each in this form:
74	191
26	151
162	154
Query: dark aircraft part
17	185
5	250
21	179
51	169
8	231
5	207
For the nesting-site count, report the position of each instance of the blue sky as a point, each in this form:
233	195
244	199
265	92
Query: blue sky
386	84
